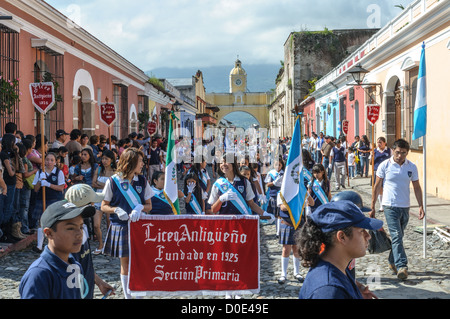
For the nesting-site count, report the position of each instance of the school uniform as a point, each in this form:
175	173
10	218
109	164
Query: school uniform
379	157
194	207
325	281
56	177
273	191
48	278
240	186
116	241
160	205
84	257
319	195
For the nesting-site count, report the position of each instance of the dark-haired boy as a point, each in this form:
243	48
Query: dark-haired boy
56	274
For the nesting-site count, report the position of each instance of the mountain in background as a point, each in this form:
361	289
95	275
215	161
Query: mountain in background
260	77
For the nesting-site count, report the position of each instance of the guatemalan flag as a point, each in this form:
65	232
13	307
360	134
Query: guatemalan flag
420	108
170	181
293	191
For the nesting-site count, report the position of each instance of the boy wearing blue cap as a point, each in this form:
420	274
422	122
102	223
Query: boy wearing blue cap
56	274
341	228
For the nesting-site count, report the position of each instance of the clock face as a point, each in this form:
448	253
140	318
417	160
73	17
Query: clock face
238	82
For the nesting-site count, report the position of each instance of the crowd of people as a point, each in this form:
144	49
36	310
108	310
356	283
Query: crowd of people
125	178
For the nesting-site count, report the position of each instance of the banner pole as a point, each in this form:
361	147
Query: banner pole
373	156
43	157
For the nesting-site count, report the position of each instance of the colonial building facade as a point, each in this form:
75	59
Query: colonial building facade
392	58
40	44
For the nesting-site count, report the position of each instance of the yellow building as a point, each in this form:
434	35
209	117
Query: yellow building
392	58
239	99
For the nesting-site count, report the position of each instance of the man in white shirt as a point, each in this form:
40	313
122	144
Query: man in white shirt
395	175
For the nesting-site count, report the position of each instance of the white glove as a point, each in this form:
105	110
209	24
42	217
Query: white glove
204	195
278	181
123	215
203	213
139	208
262	199
42	176
229	195
135	215
191	187
44	183
330	166
272	217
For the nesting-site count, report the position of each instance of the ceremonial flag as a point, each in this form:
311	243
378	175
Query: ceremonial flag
293	191
420	108
170	180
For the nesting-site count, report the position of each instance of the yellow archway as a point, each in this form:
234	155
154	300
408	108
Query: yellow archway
260	113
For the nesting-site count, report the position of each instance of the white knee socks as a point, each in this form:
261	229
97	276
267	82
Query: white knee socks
296	265
284	266
124	281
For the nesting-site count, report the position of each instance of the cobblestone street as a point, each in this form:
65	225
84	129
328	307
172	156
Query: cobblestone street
428	278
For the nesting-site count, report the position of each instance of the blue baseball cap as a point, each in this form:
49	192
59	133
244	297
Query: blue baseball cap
342	214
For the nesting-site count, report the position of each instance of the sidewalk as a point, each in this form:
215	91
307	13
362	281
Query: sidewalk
437	210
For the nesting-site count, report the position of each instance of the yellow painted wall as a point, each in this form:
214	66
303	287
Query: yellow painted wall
438	113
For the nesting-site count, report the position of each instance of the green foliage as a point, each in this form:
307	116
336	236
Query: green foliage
156	82
9	94
143	118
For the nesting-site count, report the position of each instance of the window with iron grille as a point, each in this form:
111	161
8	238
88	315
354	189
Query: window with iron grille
121	101
9	72
49	67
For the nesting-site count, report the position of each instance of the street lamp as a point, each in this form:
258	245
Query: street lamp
358	73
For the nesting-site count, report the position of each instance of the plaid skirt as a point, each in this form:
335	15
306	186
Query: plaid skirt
116	241
39	209
287	234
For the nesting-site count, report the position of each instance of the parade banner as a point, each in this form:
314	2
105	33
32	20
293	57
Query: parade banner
174	255
42	96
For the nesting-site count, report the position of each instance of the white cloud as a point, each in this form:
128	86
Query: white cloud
200	33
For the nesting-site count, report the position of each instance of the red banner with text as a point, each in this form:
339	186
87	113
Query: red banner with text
194	255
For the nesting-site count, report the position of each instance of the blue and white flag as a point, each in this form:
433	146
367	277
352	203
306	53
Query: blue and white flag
420	108
293	191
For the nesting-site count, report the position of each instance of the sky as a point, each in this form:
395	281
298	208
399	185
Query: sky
201	33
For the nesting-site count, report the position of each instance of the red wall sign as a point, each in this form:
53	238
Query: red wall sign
193	254
42	96
107	113
344	125
151	128
373	113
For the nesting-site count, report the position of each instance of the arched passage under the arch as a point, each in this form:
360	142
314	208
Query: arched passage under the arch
241	119
259	113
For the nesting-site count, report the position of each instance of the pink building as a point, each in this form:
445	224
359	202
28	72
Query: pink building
38	43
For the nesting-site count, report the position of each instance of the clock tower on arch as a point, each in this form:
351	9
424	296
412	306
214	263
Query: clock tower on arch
238	78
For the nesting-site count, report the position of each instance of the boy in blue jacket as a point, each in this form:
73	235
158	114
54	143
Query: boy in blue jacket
56	274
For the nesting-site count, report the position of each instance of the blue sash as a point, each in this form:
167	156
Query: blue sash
240	203
307	174
127	191
320	193
274	174
203	180
195	205
160	194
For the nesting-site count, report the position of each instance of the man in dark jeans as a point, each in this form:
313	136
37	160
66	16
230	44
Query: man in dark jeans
395	175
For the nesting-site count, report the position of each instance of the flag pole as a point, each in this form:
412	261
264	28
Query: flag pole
425	196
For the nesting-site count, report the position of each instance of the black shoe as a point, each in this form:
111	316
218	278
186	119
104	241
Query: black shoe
9	239
281	280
